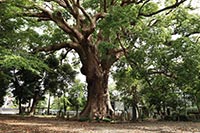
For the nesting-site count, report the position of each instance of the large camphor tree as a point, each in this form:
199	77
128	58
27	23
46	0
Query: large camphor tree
101	32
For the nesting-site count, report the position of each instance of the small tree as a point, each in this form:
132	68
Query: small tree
77	96
59	79
26	86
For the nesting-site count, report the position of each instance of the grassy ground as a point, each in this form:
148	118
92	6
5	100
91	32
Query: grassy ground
19	124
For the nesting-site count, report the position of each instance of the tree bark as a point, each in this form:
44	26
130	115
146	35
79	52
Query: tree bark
32	111
97	101
20	106
134	112
64	105
48	106
77	109
34	104
97	74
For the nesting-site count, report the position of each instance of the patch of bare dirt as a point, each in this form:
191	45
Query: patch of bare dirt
18	124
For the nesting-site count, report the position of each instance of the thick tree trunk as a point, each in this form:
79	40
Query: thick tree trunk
98	101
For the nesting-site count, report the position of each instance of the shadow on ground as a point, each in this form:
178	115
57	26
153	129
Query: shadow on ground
19	124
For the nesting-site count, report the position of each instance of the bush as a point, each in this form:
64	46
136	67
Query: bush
192	117
177	117
183	118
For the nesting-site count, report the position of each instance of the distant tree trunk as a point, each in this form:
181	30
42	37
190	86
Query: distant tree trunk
134	112
19	94
196	102
32	111
134	103
34	104
163	113
48	106
158	109
168	112
77	113
64	106
20	105
29	106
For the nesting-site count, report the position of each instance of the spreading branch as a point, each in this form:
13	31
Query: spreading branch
85	13
93	23
176	4
41	16
59	20
70	8
61	3
74	7
55	47
192	33
161	72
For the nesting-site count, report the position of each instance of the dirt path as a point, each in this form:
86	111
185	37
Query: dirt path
16	124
